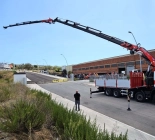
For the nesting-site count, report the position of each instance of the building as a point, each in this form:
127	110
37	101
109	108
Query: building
11	66
116	64
68	68
4	66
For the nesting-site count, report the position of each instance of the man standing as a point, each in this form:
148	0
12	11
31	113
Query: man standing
77	100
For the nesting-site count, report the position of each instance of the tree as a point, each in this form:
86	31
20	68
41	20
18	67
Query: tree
28	66
35	66
49	67
64	72
20	66
57	68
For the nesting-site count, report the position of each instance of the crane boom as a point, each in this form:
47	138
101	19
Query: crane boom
133	48
29	22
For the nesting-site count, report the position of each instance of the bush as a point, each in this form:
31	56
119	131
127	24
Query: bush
6	76
21	117
1	76
72	125
40	95
5	92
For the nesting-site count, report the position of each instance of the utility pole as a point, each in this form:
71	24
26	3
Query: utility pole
66	63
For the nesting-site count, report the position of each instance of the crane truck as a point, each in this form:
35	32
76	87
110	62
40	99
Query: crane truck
140	88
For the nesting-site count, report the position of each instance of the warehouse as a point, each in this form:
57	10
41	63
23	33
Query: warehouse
116	64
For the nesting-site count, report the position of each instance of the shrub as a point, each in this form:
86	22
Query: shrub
1	76
6	76
5	92
21	116
72	125
40	95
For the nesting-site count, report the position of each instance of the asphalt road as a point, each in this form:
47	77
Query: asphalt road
141	117
38	78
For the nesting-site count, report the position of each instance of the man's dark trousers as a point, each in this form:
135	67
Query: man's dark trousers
77	105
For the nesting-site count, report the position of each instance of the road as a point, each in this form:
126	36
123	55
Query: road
38	78
141	117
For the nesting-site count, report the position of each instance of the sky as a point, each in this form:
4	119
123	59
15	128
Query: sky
43	44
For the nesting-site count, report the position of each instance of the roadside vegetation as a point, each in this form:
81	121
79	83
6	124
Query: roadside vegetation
31	114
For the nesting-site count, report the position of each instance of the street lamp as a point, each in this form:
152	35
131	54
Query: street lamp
66	63
133	37
45	62
65	59
139	52
45	66
37	65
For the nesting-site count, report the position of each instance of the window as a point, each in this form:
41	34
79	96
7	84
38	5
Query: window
121	64
87	68
101	66
130	63
91	67
107	66
138	62
113	65
96	67
83	68
79	68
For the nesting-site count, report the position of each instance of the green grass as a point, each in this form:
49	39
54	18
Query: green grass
21	116
71	124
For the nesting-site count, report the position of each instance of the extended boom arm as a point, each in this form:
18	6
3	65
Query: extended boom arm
133	48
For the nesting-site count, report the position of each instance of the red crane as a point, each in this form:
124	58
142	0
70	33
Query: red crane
133	48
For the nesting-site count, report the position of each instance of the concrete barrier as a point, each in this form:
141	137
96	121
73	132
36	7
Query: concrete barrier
20	78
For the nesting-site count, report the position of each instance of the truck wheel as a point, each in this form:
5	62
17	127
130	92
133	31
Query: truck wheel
117	93
140	97
108	92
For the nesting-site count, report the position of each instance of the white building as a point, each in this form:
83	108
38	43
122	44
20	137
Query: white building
68	68
4	66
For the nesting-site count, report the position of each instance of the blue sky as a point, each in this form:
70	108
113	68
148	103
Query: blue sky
43	43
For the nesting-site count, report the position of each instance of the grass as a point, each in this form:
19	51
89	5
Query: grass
31	114
6	76
21	116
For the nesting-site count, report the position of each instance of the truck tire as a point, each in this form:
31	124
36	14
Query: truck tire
108	92
116	93
140	97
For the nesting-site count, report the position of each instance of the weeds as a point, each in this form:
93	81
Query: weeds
75	126
21	116
6	76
